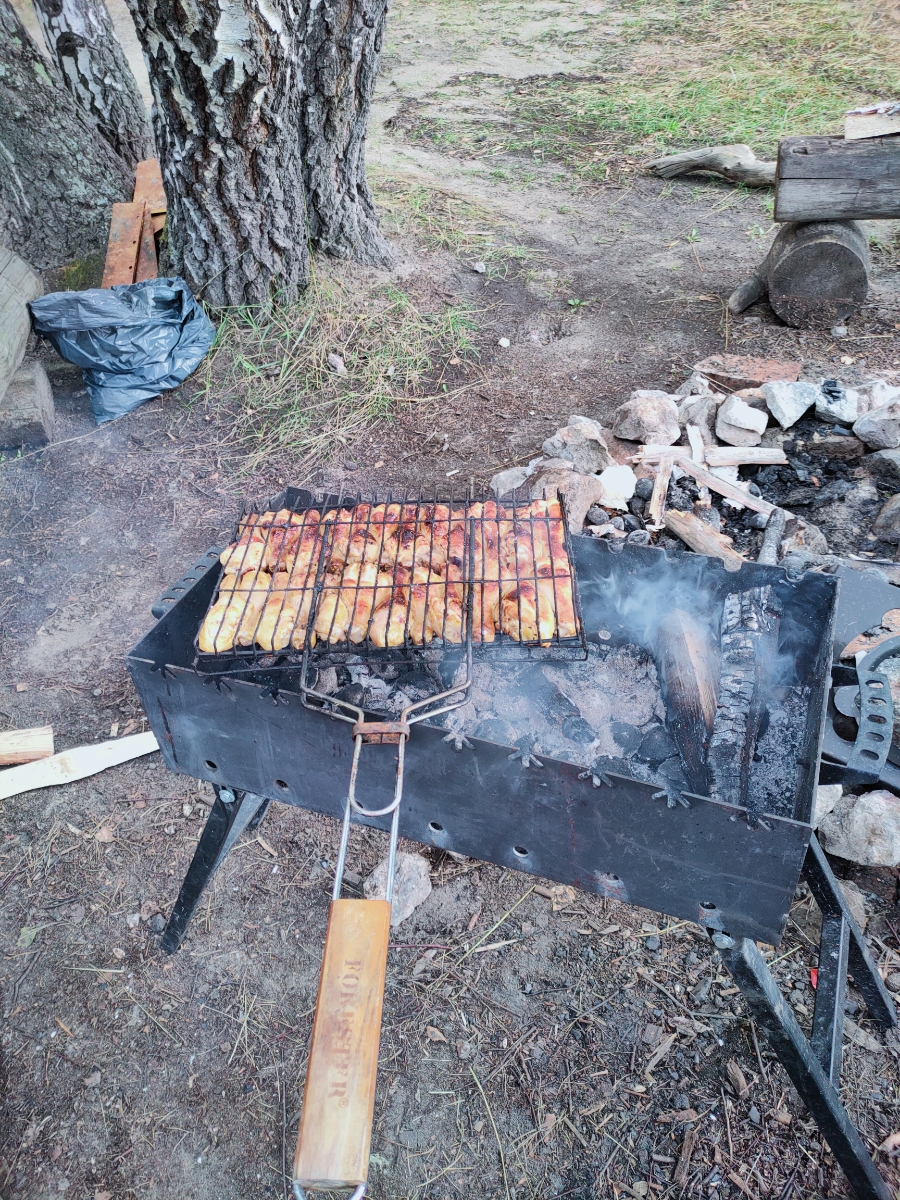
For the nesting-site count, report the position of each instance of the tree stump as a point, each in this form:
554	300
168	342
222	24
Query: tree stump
815	274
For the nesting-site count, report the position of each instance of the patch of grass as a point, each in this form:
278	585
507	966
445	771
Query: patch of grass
443	220
718	71
269	368
678	73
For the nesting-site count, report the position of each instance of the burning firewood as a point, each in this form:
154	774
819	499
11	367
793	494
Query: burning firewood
749	642
688	667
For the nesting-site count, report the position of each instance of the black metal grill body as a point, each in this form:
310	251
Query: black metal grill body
702	863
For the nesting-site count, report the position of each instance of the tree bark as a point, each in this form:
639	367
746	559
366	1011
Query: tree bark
80	36
260	116
58	177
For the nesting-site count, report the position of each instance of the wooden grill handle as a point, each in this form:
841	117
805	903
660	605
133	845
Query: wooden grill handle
339	1097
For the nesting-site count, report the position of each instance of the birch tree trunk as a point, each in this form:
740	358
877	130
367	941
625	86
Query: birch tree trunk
260	116
58	177
80	36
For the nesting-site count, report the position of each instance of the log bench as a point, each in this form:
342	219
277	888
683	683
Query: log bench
817	271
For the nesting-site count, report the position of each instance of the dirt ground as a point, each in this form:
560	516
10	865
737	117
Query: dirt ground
521	1035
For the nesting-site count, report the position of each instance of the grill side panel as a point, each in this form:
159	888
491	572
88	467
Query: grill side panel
701	864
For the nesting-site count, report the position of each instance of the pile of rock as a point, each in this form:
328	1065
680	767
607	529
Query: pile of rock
683	451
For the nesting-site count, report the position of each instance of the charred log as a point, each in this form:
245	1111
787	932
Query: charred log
749	641
688	666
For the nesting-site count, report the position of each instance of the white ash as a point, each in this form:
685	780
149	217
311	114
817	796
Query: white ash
576	711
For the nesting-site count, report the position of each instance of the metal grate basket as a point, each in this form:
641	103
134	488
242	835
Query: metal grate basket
389	579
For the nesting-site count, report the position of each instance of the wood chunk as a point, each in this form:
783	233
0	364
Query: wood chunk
687	661
836	446
26	745
27	413
830	179
870	125
748	645
657	504
146	263
703	538
124	243
737	163
148	186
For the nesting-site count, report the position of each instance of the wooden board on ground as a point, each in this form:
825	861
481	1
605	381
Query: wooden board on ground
124	243
74	764
869	125
148	185
830	179
25	745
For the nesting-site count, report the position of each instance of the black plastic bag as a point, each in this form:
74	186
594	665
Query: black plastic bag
132	341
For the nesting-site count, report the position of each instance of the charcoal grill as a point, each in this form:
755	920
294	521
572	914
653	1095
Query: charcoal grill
253	735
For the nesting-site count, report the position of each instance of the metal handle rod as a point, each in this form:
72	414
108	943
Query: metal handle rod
357	1195
395	827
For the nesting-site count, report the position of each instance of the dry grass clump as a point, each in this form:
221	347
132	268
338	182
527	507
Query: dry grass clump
270	371
444	220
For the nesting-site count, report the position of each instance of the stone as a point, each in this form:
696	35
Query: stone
619	482
836	404
412	885
582	443
884	463
336	364
887	523
503	343
695	385
157	923
855	902
580	491
510	479
827	796
597	515
643	489
874	393
649	417
755	397
806	538
893	981
788	402
864	829
701	411
740	425
638	537
27	414
880	427
737	371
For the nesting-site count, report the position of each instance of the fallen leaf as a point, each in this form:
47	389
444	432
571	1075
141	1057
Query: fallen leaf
860	1037
660	1053
782	1116
265	845
105	834
740	1184
93	1080
27	934
562	896
890	1143
434	1035
21	687
102	1195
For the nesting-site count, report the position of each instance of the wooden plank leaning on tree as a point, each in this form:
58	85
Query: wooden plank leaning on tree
25	745
148	186
124	243
830	179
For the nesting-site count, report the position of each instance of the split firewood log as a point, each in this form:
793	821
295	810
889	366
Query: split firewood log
687	662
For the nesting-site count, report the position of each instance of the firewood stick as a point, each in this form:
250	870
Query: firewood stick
657	504
768	551
698	454
703	538
715	484
722	456
688	666
74	764
26	745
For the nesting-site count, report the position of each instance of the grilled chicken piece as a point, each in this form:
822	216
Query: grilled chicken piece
253	610
388	625
518	613
246	554
286	611
220	626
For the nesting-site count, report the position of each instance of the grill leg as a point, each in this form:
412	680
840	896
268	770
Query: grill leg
815	1068
232	814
